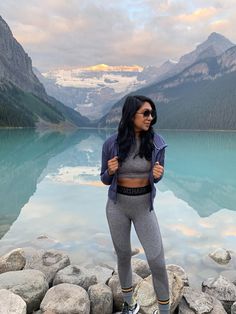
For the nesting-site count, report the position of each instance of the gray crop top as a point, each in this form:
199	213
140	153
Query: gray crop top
134	166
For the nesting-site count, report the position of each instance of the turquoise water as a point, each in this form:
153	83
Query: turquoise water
51	197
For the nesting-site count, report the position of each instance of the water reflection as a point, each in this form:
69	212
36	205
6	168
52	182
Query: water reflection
52	180
201	169
24	154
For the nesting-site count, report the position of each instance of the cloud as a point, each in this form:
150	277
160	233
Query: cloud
198	15
59	33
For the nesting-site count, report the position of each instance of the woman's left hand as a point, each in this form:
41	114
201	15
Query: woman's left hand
157	170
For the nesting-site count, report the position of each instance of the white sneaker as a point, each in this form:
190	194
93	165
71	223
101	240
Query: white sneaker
128	309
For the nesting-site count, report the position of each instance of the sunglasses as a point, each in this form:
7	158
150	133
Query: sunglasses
147	113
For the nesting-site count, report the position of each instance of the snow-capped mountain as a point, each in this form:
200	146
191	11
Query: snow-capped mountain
92	90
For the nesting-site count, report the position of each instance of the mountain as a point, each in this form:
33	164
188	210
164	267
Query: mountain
23	99
152	73
213	46
92	90
202	96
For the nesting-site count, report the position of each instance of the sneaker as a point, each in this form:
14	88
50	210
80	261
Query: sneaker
128	309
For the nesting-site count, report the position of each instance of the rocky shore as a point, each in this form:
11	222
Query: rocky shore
44	281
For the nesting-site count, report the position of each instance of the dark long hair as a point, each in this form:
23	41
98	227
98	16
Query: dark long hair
126	134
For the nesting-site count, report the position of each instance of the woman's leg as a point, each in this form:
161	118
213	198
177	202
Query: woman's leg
147	229
120	225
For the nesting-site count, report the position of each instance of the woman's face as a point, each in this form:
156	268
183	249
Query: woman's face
142	119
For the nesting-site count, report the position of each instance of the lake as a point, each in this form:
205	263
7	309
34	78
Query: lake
51	197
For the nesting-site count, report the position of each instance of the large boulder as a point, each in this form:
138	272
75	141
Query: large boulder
31	285
11	303
114	284
221	256
65	298
194	301
144	292
179	271
102	273
75	275
101	299
49	262
140	267
14	260
222	289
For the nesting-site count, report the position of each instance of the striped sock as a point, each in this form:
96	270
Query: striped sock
127	294
164	306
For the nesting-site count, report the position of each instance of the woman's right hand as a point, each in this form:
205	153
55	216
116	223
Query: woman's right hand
112	165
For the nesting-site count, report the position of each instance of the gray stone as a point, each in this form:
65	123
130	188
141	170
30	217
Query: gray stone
144	292
65	298
140	267
31	285
114	284
233	308
222	289
179	271
221	256
14	260
103	274
11	303
194	301
49	262
75	275
101	299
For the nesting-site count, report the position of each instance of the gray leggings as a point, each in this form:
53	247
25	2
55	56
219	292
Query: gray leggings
136	209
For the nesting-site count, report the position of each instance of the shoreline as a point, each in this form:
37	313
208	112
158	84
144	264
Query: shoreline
25	271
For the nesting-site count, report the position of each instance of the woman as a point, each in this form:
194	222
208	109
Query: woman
132	161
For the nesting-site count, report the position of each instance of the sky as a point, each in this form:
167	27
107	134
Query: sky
74	33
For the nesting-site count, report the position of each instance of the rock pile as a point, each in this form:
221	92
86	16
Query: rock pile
39	281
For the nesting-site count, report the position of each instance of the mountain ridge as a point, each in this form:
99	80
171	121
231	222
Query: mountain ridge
173	93
23	99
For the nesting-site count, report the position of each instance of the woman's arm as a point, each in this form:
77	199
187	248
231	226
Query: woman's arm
161	160
104	175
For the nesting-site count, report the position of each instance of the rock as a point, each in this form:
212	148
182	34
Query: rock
140	267
76	275
222	289
49	262
145	293
31	285
180	272
65	298
221	256
14	260
114	284
103	274
198	302
233	308
11	303
101	299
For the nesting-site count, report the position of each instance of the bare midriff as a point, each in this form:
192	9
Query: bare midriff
133	182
